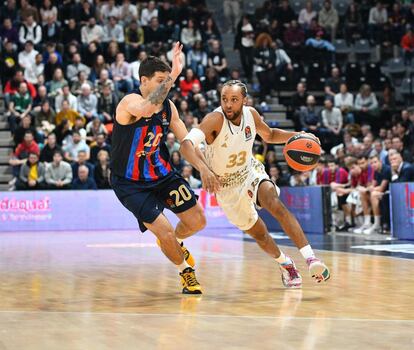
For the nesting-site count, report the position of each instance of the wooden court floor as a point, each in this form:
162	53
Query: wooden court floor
115	290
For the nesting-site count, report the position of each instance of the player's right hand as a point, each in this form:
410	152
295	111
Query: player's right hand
177	62
209	180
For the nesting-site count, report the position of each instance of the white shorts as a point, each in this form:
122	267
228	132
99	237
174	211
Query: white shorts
239	203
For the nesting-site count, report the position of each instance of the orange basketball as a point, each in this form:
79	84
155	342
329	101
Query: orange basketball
302	152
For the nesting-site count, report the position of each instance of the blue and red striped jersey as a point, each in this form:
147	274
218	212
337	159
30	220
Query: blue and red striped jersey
139	152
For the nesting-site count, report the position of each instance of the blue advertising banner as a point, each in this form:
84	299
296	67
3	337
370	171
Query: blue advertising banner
308	204
82	210
402	210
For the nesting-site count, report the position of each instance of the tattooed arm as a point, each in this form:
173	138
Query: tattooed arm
141	107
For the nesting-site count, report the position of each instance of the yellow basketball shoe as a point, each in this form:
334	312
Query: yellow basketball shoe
187	255
189	282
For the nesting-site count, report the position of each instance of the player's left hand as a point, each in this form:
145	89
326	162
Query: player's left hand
209	180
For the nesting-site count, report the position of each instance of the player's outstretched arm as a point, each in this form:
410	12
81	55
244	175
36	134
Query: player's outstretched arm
192	154
273	135
151	104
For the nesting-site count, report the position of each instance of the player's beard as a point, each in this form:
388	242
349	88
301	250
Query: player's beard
234	116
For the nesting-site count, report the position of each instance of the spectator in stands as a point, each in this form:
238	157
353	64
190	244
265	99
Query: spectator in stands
353	23
202	109
128	13
310	116
149	13
106	104
321	46
231	10
190	34
78	82
197	59
285	14
40	98
8	32
46	156
92	32
367	148
66	95
12	86
378	16
102	82
99	145
48	12
134	39
67	113
33	72
244	42
58	173
57	83
75	67
332	120
294	39
283	63
306	15
333	83
82	160
32	174
8	62
51	65
277	177
217	59
87	103
28	55
328	19
79	127
366	105
187	174
20	106
187	83
171	143
51	31
44	119
344	100
25	125
84	12
210	32
407	44
27	10
264	64
93	129
72	148
299	179
84	181
176	161
401	171
121	74
298	100
398	145
113	31
21	154
102	170
30	30
154	33
71	33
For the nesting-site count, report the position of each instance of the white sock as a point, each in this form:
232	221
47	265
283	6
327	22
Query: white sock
181	267
367	220
307	252
282	258
348	219
179	240
377	221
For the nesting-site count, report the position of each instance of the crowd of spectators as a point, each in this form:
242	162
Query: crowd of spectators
65	65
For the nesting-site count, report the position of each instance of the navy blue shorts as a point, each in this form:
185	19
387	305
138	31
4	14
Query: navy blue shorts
147	203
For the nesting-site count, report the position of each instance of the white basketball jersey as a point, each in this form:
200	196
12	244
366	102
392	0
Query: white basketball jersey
230	155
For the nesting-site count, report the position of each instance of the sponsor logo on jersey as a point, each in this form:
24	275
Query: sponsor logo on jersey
170	203
248	133
164	118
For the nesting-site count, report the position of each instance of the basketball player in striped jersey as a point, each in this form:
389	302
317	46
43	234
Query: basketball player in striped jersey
143	178
229	133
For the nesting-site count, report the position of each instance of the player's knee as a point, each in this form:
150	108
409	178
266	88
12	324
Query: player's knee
167	237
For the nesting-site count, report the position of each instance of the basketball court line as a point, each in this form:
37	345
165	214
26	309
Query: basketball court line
137	314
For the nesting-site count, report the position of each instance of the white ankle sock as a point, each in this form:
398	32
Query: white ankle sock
367	220
307	252
181	267
282	258
377	221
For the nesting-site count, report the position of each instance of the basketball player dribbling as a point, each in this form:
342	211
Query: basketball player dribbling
229	133
143	178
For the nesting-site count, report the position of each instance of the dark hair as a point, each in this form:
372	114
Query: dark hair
363	157
238	83
58	152
331	159
151	65
375	155
29	132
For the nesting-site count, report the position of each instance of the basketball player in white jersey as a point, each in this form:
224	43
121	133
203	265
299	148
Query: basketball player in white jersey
229	133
